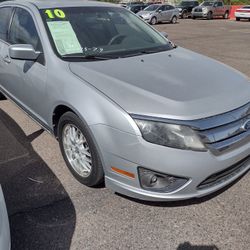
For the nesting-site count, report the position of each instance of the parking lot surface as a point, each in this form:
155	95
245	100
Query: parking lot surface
49	209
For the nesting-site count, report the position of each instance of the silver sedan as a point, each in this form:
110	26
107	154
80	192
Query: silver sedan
156	13
153	120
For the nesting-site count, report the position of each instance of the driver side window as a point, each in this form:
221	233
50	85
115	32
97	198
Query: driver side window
5	14
23	30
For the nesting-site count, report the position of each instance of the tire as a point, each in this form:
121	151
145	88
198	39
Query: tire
153	21
226	15
174	20
209	15
88	169
2	97
194	17
184	14
237	19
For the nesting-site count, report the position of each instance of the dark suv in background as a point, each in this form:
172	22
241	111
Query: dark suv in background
185	8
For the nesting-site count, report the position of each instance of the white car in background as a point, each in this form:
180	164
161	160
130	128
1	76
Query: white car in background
243	13
4	224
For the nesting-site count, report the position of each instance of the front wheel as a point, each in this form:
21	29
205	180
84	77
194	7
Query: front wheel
237	19
226	15
174	20
79	150
153	21
209	15
184	15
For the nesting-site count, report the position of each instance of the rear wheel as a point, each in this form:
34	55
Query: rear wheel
2	97
209	15
226	15
194	17
174	20
79	150
153	21
237	19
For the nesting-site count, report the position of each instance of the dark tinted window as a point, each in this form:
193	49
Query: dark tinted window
23	29
219	4
5	14
166	7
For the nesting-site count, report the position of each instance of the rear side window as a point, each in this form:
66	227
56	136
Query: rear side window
23	29
5	14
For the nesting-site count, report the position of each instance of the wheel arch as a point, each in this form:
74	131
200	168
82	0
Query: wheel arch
58	111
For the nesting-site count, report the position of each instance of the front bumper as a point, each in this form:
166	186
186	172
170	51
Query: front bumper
146	18
127	152
199	14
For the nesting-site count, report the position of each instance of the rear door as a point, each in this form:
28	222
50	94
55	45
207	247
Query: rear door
221	9
217	8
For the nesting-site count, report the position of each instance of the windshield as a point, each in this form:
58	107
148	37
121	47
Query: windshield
152	7
186	3
207	4
101	31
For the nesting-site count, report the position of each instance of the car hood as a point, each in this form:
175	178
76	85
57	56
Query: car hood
177	84
143	12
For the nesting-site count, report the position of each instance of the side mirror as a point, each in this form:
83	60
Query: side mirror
165	34
159	11
23	52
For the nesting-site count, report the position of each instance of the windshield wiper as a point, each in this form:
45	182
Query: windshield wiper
88	57
148	51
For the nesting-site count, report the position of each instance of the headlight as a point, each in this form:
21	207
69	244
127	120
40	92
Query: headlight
180	9
170	135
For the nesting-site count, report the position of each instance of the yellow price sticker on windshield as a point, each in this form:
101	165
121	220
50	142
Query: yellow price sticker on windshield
56	13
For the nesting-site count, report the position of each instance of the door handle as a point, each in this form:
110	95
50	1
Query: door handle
6	59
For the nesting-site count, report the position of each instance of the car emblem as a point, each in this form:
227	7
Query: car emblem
246	125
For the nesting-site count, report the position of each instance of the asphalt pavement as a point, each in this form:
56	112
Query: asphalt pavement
49	209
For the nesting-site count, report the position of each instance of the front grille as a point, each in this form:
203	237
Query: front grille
225	175
198	10
227	131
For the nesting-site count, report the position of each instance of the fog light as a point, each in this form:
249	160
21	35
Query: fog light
158	182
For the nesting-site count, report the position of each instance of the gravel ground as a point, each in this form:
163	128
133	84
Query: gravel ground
49	209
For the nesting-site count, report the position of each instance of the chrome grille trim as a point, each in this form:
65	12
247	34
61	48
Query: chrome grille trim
204	123
230	135
219	133
224	132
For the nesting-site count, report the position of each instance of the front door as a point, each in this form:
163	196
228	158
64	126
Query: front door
26	80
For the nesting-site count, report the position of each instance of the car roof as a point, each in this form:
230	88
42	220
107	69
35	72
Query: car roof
41	4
